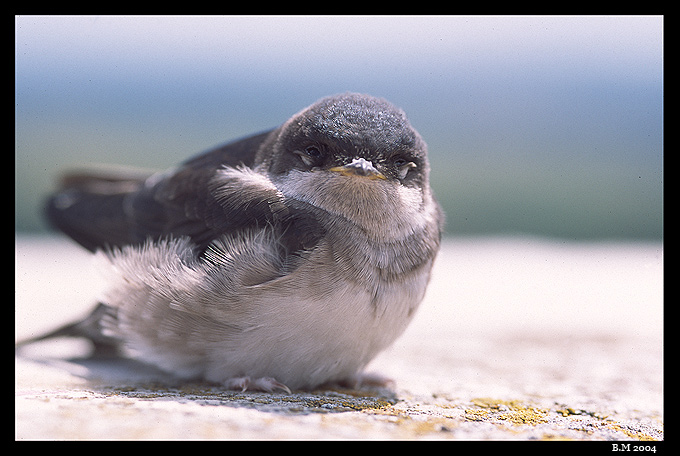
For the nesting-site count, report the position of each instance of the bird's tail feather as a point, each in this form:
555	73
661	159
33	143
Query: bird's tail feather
91	327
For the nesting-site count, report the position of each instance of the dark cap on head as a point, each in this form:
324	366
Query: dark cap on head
345	126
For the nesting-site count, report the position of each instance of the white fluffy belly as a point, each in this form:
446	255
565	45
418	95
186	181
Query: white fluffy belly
302	329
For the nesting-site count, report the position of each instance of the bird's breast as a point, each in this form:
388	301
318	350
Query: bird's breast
322	324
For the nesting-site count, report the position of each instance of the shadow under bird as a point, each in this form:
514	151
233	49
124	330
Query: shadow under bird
286	260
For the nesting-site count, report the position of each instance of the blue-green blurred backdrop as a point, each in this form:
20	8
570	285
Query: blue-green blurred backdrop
536	125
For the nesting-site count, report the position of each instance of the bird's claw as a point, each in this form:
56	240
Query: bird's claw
266	384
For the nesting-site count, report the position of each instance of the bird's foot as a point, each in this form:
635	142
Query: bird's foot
367	380
266	384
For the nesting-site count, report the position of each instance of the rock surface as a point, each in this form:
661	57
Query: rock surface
517	339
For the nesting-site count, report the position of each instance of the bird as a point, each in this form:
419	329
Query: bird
282	261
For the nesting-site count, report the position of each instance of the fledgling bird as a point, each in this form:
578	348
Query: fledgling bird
285	260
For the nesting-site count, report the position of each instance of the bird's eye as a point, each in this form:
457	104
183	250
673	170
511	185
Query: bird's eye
310	156
403	166
313	152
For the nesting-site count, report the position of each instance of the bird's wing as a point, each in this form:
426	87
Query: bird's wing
100	210
89	206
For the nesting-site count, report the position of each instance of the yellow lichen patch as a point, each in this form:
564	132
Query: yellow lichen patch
514	412
632	434
476	415
496	404
568	411
527	415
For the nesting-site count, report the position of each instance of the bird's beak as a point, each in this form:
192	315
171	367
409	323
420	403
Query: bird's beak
359	167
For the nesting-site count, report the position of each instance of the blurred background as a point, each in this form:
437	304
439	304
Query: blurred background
548	126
